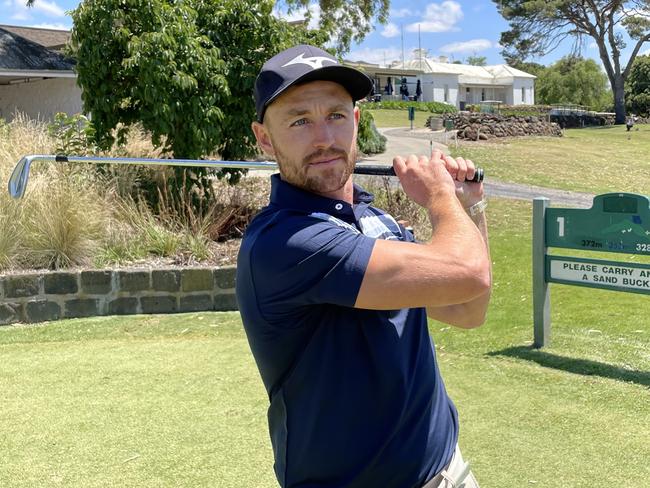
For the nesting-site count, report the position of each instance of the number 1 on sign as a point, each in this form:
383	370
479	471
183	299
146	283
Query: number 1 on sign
560	231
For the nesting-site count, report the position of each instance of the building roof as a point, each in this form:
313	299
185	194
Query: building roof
21	58
500	74
50	38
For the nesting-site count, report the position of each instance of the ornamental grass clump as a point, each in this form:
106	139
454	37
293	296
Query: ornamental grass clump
19	137
10	232
63	219
86	215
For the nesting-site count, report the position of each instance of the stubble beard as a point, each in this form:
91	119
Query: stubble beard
320	181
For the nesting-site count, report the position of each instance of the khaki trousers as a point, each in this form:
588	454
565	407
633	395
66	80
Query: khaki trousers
455	475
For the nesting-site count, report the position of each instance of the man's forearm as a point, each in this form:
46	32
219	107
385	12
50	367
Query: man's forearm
472	313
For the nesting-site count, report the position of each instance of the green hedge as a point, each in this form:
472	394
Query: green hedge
434	107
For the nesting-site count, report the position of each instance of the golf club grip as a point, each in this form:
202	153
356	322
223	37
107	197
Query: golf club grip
389	171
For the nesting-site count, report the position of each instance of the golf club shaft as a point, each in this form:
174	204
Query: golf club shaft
20	176
375	170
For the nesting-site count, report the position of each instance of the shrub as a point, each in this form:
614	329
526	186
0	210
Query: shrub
73	134
369	140
433	107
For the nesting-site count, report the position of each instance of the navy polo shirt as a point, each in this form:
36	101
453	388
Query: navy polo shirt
356	398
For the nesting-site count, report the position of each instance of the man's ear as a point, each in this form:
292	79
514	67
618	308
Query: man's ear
263	138
357	114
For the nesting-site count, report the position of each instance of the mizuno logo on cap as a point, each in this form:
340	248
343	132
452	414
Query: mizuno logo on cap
315	62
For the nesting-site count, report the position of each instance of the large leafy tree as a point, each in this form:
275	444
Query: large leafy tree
637	88
343	20
574	80
538	27
183	69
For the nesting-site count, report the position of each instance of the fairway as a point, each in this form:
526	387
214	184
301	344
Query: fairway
592	160
160	401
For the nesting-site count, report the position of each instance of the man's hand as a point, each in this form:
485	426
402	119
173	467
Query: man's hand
461	170
424	179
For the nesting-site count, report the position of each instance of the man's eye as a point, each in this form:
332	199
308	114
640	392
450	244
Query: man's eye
337	116
299	122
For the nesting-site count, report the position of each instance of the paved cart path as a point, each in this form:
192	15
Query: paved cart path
421	141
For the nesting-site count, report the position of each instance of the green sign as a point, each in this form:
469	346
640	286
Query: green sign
616	222
597	273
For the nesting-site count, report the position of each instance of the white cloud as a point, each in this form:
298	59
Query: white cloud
57	26
390	30
17	9
439	17
377	56
50	9
400	13
473	46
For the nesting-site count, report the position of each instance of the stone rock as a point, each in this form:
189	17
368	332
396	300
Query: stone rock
483	127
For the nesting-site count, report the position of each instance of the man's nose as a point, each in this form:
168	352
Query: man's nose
323	136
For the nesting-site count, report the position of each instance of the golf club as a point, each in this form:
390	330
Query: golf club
20	175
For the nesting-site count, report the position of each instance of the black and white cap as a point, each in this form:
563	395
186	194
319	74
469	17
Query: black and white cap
301	64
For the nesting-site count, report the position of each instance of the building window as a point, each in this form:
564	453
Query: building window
523	95
446	93
482	94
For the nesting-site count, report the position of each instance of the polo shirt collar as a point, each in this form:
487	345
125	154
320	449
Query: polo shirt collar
286	195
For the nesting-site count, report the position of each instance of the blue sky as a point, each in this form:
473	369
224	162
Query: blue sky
452	28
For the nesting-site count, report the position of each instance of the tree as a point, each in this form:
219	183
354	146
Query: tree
573	80
183	69
538	27
477	60
534	69
342	20
637	88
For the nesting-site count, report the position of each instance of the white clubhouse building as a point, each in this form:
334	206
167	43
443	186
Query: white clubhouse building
456	84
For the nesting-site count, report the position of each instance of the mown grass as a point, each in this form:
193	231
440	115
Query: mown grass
399	118
153	401
594	160
139	401
157	401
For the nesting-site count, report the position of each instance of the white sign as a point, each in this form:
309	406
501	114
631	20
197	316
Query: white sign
619	276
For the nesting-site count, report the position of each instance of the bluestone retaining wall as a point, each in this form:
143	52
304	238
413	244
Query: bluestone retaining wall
38	297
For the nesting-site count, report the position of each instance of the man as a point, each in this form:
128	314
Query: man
334	294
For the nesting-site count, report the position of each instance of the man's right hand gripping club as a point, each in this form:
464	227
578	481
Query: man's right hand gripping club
451	274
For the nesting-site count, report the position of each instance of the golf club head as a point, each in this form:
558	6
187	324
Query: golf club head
19	177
